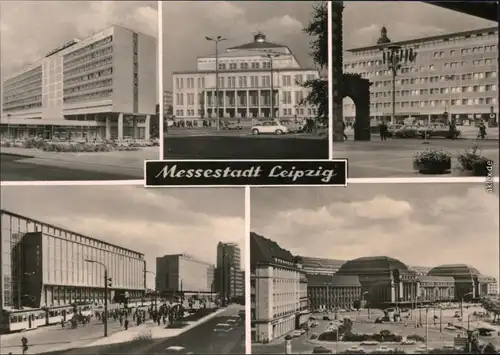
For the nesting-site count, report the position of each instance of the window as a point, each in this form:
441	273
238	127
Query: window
222	66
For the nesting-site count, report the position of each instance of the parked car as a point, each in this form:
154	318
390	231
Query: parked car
293	126
406	131
269	127
321	350
369	342
438	131
177	350
392	128
408	342
355	349
231	126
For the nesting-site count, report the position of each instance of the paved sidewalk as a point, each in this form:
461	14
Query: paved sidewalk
129	163
468	132
151	330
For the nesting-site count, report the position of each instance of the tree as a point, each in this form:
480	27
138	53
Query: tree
318	28
491	305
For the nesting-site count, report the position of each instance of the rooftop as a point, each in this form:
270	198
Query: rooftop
372	264
259	43
454	270
333	280
264	250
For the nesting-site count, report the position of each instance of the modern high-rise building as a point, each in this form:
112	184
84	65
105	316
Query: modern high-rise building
229	279
183	274
46	266
247	75
168	103
456	73
278	290
102	87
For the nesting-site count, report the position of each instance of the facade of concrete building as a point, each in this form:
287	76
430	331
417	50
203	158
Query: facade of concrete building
454	73
492	286
101	87
183	274
329	292
247	74
435	288
47	266
230	283
320	266
469	283
278	290
168	103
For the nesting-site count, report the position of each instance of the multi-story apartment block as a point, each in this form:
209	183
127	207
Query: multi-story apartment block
278	290
453	74
101	87
247	74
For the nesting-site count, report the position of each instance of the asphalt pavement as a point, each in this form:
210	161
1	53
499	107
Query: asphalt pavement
202	339
394	157
12	169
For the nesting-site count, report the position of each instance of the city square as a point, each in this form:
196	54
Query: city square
76	104
122	294
245	91
410	91
380	271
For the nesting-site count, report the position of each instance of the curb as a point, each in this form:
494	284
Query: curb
17	155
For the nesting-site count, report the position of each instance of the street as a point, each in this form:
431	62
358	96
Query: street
12	169
394	157
200	340
233	145
364	324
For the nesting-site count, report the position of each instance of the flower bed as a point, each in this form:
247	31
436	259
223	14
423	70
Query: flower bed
69	147
432	162
471	162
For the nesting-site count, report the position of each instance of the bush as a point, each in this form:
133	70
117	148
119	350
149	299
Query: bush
472	160
146	335
432	157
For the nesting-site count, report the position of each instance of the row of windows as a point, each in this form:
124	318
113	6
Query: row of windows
94	75
88	48
465	51
99	95
436	91
230	82
24	107
23	94
244	65
459	39
422	69
436	79
94	64
26	75
89	86
33	81
23	101
433	103
69	68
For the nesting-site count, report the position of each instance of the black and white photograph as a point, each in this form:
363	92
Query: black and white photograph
245	80
129	271
415	88
79	89
375	268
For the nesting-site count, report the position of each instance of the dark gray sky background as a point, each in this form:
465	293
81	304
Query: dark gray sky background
185	25
419	224
154	222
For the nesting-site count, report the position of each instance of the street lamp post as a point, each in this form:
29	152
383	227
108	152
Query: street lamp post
362	299
105	321
216	40
395	57
462	304
155	291
271	68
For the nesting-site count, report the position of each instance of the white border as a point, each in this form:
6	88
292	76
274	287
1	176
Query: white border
330	83
160	77
248	300
73	183
421	180
249	161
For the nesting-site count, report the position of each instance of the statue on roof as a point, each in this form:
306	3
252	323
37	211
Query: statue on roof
383	36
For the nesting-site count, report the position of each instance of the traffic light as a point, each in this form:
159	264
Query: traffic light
109	281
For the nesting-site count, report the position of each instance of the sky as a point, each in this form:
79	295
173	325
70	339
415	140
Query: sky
418	224
29	29
185	25
155	222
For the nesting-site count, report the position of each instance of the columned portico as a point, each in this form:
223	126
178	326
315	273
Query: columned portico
108	127
146	128
120	126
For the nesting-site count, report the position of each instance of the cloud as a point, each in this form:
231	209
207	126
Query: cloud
154	222
32	28
430	225
185	25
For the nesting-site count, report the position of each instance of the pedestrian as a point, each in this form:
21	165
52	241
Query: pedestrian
343	130
383	130
482	130
126	324
24	343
